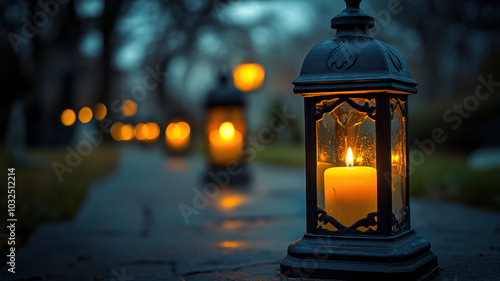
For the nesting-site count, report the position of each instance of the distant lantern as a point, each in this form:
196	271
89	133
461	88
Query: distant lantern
100	111
68	117
85	115
248	76
355	91
129	108
177	136
225	129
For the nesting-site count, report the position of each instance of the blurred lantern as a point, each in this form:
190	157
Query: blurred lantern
129	108
358	214
68	117
225	129
100	111
177	136
85	115
248	76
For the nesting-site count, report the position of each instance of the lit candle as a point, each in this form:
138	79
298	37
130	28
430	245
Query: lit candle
225	144
350	192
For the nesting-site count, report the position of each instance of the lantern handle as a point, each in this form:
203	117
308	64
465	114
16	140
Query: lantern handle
352	3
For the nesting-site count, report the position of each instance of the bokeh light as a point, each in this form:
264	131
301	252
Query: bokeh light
129	108
141	132
100	111
153	131
177	135
226	131
85	115
248	76
126	132
116	131
68	117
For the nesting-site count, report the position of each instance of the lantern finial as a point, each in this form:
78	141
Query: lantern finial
352	3
352	18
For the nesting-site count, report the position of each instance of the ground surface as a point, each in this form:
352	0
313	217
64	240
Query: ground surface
130	228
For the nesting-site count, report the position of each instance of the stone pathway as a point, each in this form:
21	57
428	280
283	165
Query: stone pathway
130	228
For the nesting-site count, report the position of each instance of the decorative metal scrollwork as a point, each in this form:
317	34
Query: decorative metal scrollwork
403	223
324	107
402	106
396	59
367	222
344	55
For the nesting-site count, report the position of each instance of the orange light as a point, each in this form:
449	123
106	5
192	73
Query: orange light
233	244
226	131
116	131
85	115
248	76
129	108
100	111
153	131
233	201
127	132
141	131
68	117
349	161
177	135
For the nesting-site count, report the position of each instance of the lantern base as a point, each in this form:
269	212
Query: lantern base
405	256
223	177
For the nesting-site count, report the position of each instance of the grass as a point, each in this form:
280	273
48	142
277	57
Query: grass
439	177
40	197
450	178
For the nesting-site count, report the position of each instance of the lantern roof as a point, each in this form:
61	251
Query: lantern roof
353	62
225	94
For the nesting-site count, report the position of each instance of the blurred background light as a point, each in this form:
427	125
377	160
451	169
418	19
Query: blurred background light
100	111
68	117
248	76
85	115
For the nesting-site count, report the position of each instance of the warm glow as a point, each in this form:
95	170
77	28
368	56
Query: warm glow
177	135
233	244
129	108
85	115
231	202
68	117
349	159
248	76
126	132
226	131
141	131
153	131
100	111
116	131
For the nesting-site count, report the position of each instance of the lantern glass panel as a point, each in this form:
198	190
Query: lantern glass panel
346	160
398	163
225	130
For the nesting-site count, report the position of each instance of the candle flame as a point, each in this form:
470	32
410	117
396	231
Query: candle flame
349	159
226	131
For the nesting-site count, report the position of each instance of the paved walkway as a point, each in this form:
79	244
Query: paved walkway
130	228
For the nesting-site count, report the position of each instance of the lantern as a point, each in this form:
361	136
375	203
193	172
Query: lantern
225	130
355	93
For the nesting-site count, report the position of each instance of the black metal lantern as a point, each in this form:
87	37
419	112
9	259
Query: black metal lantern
356	114
225	131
